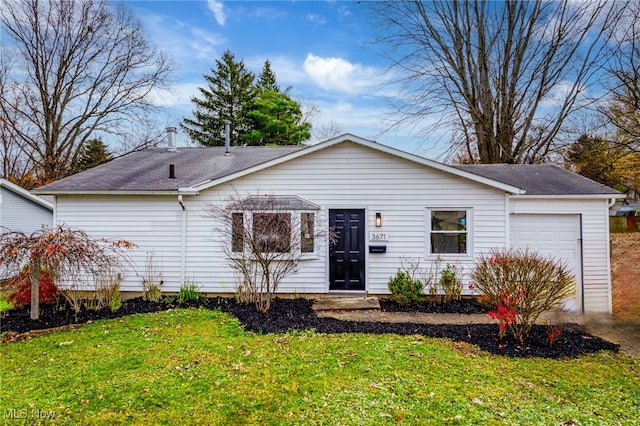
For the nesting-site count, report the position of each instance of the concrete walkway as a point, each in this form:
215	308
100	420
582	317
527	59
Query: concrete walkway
624	332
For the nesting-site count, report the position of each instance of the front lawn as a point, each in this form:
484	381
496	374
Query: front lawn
197	366
4	304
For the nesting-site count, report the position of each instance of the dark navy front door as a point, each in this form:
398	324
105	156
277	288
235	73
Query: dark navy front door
346	256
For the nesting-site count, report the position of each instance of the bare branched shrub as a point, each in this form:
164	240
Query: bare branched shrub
75	298
521	285
264	237
152	280
107	290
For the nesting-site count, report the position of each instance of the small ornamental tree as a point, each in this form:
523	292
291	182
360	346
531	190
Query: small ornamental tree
66	254
521	285
264	238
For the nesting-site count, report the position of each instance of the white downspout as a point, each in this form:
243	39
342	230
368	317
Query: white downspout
55	211
507	220
183	242
610	284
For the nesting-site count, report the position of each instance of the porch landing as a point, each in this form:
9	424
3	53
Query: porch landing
346	304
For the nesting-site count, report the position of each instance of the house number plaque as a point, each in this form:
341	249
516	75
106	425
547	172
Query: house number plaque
378	236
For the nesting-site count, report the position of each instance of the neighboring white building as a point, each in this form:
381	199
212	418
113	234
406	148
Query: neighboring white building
160	200
20	210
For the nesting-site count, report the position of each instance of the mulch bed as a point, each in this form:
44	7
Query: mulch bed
297	314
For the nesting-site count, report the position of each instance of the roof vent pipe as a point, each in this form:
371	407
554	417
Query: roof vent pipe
171	138
227	137
172	171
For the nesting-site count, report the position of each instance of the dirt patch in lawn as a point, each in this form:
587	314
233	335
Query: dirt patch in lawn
625	275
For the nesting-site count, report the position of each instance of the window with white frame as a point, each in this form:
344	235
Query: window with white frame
274	233
449	231
273	225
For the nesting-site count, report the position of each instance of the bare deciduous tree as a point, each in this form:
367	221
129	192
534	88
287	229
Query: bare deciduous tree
15	164
623	111
264	237
505	75
66	254
328	131
85	68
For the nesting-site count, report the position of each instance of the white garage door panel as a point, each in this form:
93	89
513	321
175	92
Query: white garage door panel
552	236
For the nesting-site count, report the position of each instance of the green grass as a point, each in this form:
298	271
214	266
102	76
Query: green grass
194	366
4	305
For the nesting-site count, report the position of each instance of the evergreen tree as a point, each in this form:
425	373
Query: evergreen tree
227	98
276	119
258	114
94	152
267	79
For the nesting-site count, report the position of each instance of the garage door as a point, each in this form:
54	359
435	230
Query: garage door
553	236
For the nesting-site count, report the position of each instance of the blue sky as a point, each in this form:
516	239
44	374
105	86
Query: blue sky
322	49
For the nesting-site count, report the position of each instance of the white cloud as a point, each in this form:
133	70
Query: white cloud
288	71
316	19
185	43
339	75
218	11
558	94
178	97
368	121
343	12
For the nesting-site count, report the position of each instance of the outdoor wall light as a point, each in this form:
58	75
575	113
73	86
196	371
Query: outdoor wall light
378	220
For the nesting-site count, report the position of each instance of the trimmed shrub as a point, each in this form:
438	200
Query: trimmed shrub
521	285
21	294
404	289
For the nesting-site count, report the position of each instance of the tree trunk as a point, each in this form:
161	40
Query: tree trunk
35	289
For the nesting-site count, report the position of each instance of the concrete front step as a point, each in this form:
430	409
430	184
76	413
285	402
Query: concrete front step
346	304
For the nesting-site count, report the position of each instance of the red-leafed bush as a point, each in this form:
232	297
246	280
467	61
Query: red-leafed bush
21	284
521	285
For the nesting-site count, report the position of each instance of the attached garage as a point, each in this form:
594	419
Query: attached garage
552	235
564	215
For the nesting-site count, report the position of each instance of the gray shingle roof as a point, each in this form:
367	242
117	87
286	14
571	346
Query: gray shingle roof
539	179
148	170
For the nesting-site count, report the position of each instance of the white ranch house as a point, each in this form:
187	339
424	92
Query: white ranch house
393	204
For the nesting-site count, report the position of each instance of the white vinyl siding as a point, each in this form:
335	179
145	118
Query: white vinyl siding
20	214
152	223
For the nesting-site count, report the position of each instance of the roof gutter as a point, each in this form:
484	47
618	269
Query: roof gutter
572	196
184	191
96	192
